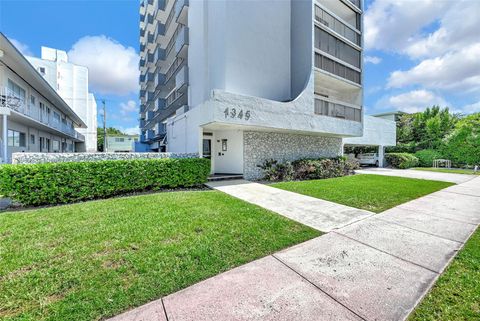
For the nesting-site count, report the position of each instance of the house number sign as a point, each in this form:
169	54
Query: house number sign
233	113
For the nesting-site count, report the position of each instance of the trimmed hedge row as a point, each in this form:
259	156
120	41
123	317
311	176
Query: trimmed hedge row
56	183
401	160
426	157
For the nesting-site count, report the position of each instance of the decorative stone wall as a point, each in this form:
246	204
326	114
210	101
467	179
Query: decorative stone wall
260	146
35	158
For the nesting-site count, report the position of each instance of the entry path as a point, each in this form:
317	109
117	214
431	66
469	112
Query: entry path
378	268
319	214
411	173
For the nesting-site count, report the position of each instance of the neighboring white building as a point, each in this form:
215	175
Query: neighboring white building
34	117
245	81
121	143
71	82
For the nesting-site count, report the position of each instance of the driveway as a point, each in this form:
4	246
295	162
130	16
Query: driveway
411	173
378	268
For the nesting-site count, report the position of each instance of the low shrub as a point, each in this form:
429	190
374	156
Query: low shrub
303	169
401	160
275	171
426	157
56	183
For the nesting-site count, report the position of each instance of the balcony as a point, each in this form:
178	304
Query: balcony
339	27
181	43
142	62
356	3
150	96
150	38
181	79
331	108
150	134
159	31
149	115
335	68
161	4
159	80
142	123
160	104
181	9
150	19
10	100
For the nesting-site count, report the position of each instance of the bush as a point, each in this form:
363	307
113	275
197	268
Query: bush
55	183
308	169
426	157
275	171
401	160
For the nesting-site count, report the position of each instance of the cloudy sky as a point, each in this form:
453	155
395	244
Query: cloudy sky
417	52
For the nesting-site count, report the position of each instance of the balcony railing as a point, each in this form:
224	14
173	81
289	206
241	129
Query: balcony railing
339	27
10	100
336	68
332	109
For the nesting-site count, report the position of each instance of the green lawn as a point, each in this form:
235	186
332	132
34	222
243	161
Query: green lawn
446	170
456	294
374	193
92	260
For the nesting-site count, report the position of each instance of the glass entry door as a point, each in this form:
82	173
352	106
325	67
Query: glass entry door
207	148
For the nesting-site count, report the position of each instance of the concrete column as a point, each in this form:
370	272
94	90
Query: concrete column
381	156
5	139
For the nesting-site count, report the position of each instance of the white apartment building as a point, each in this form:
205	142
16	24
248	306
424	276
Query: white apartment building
244	81
34	118
71	83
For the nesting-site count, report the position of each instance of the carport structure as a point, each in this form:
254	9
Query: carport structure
378	133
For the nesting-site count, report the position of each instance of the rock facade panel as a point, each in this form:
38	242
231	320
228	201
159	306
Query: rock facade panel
36	158
260	146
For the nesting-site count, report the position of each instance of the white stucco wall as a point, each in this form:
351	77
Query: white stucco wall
238	58
377	132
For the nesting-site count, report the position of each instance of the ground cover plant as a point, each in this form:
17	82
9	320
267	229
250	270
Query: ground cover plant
93	260
374	193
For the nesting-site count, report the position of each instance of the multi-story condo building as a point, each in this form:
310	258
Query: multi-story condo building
245	81
71	83
34	117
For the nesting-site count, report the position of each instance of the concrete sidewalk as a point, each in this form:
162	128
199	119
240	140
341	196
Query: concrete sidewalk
411	173
375	269
319	214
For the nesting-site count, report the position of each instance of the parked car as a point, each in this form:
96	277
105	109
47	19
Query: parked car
368	159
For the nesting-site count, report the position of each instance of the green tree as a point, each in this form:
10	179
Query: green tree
462	146
110	131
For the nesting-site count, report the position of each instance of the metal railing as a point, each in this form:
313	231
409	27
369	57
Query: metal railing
337	110
10	100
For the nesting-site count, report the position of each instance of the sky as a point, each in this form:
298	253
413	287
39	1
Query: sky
417	53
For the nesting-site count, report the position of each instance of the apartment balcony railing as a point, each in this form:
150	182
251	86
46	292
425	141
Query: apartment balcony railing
10	100
173	68
336	68
338	110
172	41
337	48
182	42
338	26
181	10
169	20
181	79
356	3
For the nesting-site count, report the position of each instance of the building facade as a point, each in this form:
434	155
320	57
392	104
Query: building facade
34	117
244	81
121	143
71	83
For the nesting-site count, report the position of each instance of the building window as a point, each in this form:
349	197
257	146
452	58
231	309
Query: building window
16	90
119	139
16	139
32	139
41	70
32	100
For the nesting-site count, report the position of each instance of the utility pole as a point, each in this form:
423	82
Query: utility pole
104	127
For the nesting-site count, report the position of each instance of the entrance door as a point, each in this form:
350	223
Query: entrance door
228	152
207	148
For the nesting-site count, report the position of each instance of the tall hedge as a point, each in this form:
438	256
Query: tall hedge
401	160
56	183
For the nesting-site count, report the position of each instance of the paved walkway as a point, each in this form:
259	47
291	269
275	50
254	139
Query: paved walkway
378	268
319	214
411	173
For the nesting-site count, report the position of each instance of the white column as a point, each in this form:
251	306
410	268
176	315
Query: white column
5	139
381	156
